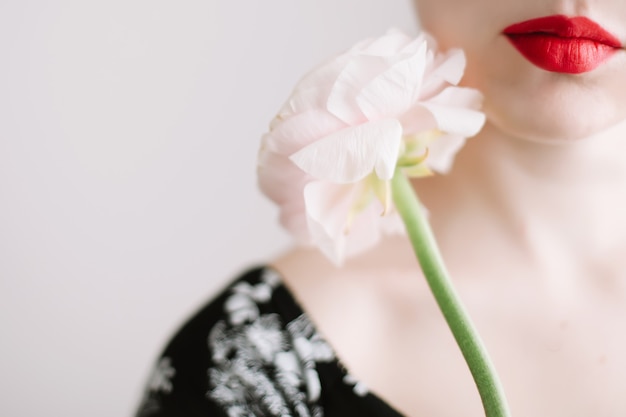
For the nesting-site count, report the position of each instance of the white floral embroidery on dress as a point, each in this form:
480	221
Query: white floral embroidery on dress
160	381
162	374
259	368
241	306
358	387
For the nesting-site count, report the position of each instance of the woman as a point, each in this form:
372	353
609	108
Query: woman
529	222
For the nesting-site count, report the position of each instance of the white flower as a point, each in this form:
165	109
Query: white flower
335	145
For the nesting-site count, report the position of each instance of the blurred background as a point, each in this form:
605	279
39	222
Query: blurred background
128	137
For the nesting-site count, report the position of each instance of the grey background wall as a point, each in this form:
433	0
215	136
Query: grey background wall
128	137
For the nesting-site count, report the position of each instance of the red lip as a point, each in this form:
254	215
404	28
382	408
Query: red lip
562	44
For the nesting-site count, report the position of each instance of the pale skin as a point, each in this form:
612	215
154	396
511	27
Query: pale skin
532	226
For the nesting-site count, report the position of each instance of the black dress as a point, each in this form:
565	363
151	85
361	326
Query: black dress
252	351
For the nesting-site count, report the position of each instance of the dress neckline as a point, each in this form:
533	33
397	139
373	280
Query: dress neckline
291	308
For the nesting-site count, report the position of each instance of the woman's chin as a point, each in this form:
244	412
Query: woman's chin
556	123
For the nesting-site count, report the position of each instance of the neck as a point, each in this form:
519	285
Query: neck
559	201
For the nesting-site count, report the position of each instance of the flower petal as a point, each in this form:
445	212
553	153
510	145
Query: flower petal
283	183
417	120
459	121
453	109
358	72
328	206
413	46
353	153
392	224
336	142
447	68
279	178
313	89
459	97
392	93
442	151
299	130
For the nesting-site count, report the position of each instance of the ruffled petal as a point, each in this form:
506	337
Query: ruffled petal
418	119
279	178
366	231
459	97
283	183
442	152
412	47
303	100
358	72
446	69
313	89
293	218
298	131
353	153
328	207
453	109
392	224
394	91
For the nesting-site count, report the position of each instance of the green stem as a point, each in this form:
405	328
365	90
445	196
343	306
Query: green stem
467	338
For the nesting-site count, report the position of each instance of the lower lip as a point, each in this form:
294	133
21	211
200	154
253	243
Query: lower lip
564	55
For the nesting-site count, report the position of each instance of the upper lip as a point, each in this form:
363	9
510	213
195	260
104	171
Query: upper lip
561	26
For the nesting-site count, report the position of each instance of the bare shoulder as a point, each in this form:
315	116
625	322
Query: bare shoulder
363	289
377	313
